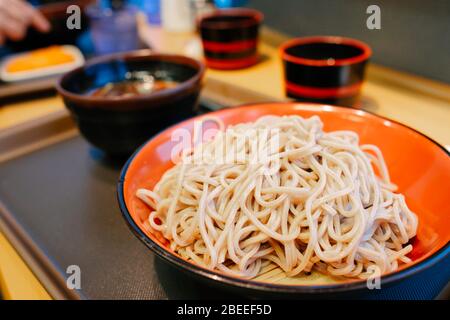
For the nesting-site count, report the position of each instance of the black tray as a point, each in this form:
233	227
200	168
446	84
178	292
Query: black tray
59	207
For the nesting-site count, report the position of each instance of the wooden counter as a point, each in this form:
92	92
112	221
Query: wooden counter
420	103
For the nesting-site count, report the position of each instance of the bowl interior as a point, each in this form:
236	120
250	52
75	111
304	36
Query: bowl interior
420	167
85	80
324	51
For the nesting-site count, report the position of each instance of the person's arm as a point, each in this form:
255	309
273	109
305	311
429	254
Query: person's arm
15	18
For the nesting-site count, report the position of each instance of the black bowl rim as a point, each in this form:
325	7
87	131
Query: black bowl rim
272	287
256	15
366	51
181	89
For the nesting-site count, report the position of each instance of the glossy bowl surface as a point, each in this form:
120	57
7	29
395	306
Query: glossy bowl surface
324	69
118	125
230	37
417	164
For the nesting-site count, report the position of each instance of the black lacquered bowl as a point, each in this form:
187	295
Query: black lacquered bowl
325	69
118	125
230	37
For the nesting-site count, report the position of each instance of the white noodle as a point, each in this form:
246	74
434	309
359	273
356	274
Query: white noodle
314	203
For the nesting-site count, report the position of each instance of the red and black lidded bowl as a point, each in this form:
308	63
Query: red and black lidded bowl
230	37
325	69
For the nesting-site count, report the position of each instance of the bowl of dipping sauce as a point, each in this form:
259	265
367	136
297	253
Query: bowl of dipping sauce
325	69
119	101
230	38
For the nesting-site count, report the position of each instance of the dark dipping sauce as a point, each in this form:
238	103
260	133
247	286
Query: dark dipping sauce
134	86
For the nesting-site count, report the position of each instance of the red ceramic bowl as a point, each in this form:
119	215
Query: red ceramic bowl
417	164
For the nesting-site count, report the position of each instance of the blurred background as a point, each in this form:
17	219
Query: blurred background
413	36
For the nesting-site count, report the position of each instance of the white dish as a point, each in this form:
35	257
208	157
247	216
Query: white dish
41	72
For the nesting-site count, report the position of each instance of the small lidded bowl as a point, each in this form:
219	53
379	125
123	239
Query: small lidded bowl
230	38
325	69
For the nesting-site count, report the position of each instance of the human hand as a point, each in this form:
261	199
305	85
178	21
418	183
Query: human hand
15	18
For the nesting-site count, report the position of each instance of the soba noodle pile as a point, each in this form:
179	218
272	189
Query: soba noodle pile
294	195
